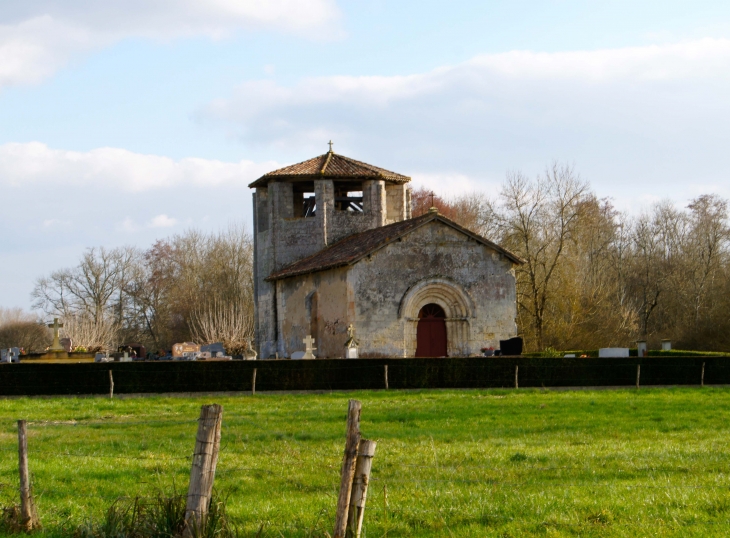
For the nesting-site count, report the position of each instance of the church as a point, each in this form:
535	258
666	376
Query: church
335	245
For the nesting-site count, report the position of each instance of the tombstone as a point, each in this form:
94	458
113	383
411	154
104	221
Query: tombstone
125	357
138	348
613	352
666	345
309	347
512	346
103	357
297	355
352	345
178	350
641	348
214	348
189	355
66	344
4	355
56	345
14	354
204	355
249	354
569	356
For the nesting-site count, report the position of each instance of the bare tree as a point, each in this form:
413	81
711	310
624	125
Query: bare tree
94	287
536	220
229	323
28	335
92	334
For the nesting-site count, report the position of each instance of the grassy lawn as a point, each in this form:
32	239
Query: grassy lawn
653	462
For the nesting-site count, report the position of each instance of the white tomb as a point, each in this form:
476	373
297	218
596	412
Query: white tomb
613	352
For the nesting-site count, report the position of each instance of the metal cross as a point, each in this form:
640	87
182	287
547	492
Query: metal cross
432	196
330	143
351	331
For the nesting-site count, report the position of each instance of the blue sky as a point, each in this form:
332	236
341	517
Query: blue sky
126	121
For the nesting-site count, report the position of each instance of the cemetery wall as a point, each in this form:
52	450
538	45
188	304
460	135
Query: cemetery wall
333	374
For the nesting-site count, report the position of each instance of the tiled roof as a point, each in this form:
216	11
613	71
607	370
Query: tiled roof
332	166
355	247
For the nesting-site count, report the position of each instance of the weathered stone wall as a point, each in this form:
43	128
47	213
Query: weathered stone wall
396	201
317	305
474	284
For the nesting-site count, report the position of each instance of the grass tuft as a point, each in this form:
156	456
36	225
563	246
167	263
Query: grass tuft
157	517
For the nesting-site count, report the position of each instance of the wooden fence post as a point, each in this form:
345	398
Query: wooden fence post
360	487
111	385
202	472
517	371
638	375
386	376
348	468
28	516
702	377
253	382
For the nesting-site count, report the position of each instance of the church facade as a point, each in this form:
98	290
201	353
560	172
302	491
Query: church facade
335	245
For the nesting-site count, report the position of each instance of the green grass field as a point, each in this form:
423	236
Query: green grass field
652	462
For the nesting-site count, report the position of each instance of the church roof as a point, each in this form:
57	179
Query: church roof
330	166
353	248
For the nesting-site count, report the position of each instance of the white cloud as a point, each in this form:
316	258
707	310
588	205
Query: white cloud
162	221
650	117
37	37
118	169
446	185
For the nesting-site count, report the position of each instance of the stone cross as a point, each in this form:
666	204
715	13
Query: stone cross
309	342
330	143
56	345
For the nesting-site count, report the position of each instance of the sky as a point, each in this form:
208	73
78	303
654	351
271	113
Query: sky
127	121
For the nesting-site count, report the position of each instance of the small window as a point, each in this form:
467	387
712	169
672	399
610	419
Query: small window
304	200
348	197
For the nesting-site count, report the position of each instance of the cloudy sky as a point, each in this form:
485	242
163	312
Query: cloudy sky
124	121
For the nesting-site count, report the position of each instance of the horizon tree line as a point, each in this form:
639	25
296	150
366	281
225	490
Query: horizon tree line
593	276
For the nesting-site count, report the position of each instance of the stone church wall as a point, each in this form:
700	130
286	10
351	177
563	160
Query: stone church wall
474	284
317	305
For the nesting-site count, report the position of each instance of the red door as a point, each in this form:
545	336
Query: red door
431	332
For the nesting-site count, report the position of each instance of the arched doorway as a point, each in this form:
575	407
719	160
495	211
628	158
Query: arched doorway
431	332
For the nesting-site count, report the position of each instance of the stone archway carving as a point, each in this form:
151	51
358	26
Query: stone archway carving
457	305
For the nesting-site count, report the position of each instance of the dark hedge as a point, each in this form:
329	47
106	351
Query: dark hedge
135	377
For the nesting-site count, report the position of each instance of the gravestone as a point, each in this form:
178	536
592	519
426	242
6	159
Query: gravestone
352	345
178	350
297	355
666	345
56	346
217	347
309	347
613	352
641	348
103	357
66	344
511	346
